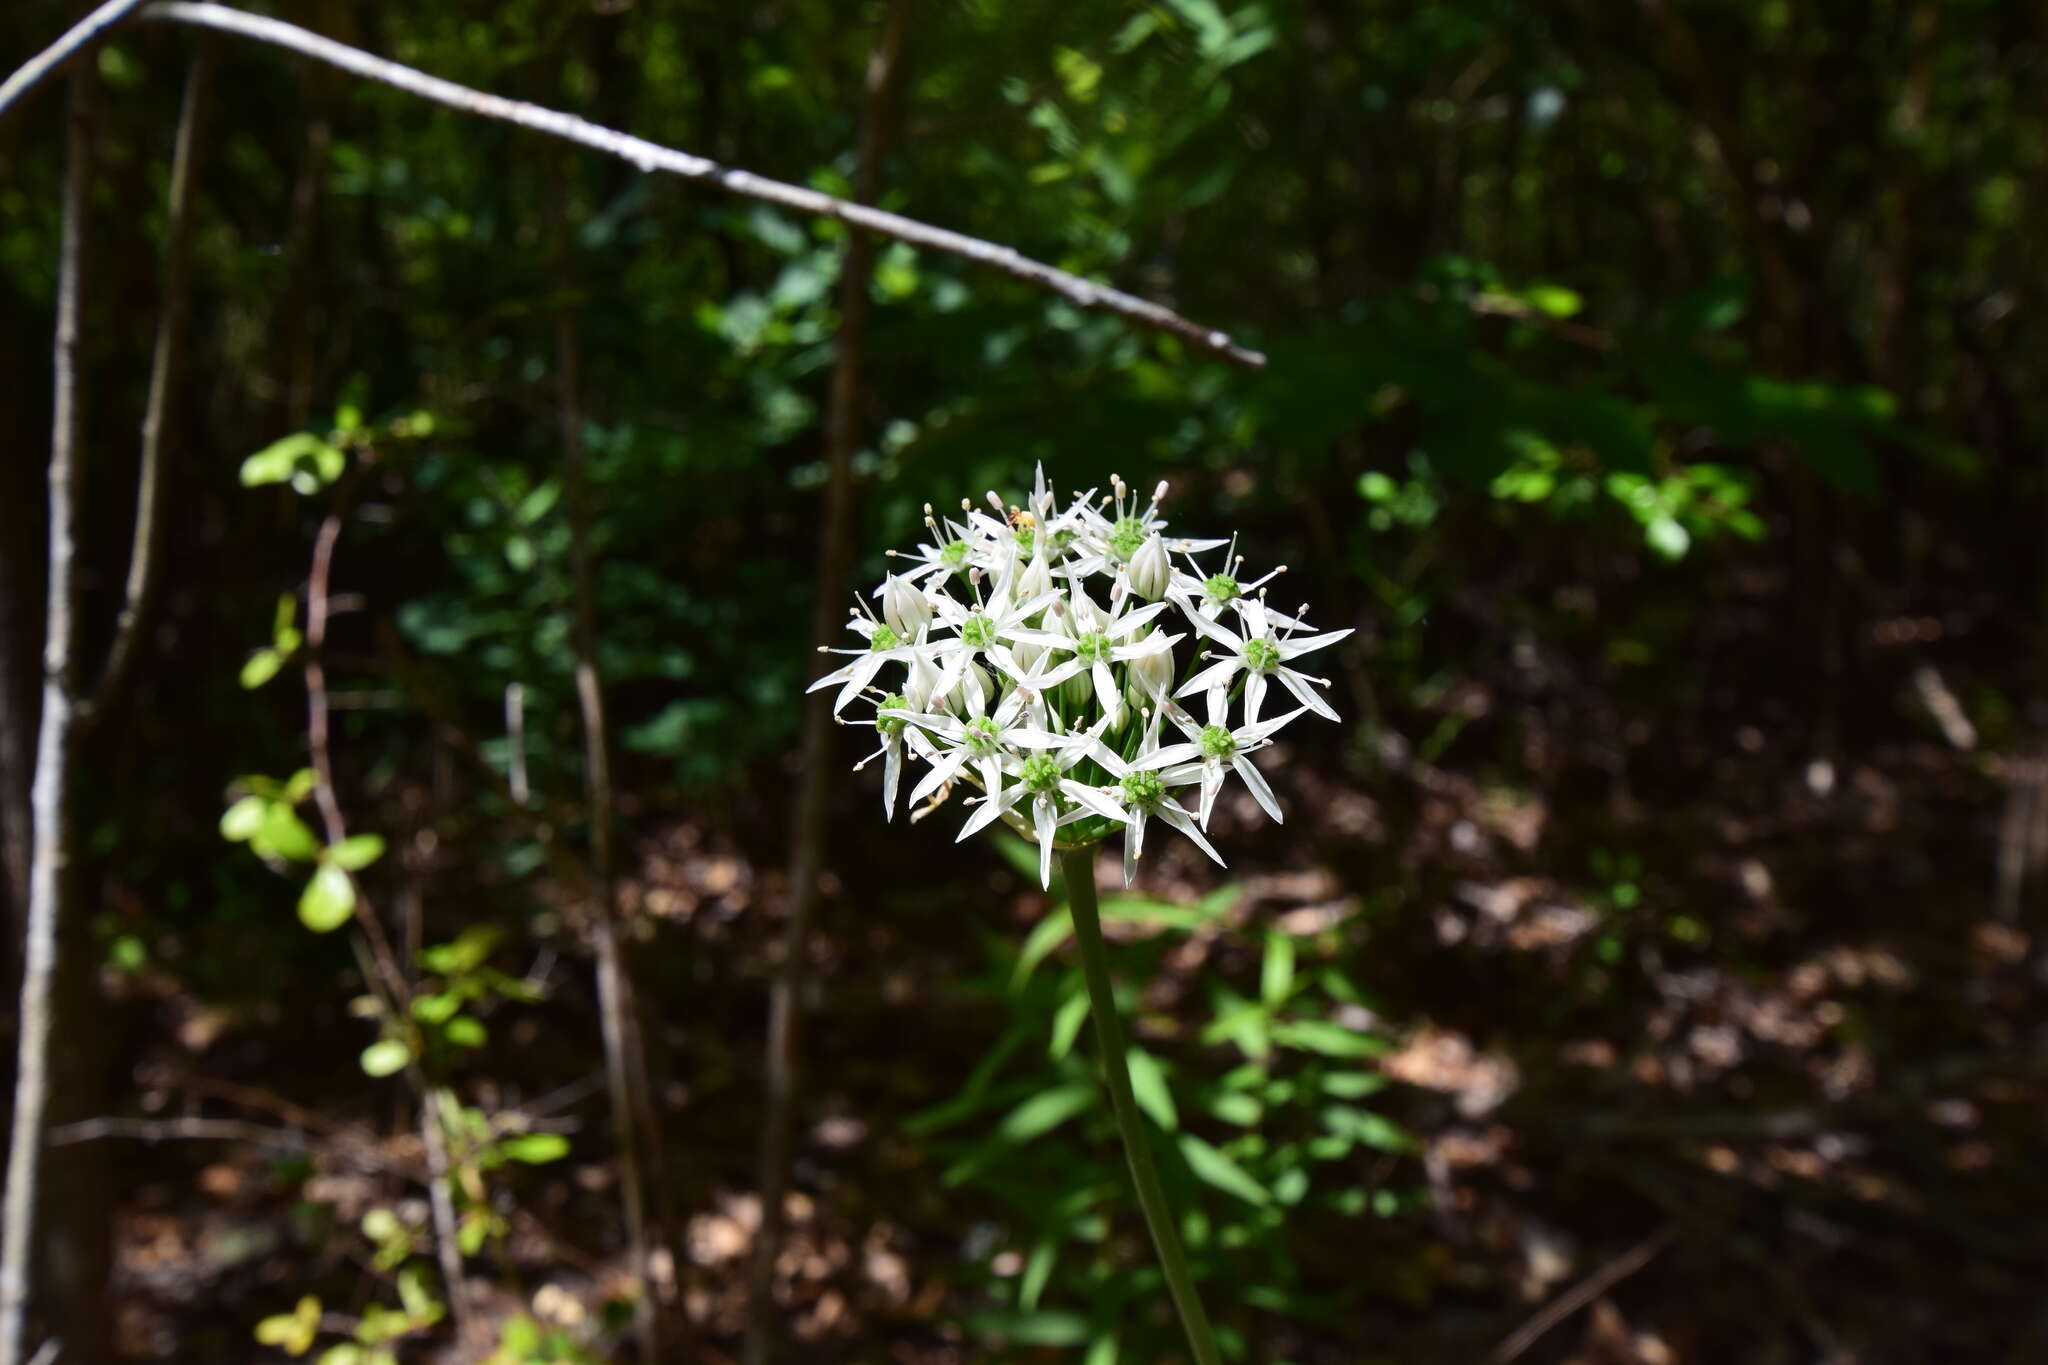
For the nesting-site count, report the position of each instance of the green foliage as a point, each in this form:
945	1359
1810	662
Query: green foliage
1243	1148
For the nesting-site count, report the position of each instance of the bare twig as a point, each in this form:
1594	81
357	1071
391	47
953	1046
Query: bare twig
170	334
1581	1294
441	1200
634	1140
651	156
317	711
179	1129
384	960
835	549
80	39
49	868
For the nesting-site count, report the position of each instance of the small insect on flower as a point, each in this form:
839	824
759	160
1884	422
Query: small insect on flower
1037	653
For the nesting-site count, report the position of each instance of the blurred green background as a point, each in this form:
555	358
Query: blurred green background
1655	387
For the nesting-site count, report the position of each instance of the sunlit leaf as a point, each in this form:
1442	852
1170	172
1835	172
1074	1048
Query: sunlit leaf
328	900
1214	1168
386	1057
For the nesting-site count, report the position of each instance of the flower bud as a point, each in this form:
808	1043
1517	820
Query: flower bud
905	607
1152	674
974	694
924	676
1035	579
1150	570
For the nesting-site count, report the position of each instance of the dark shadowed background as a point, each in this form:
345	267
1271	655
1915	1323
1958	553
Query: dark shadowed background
1655	387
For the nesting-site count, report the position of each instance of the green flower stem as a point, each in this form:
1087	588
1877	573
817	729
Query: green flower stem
1079	867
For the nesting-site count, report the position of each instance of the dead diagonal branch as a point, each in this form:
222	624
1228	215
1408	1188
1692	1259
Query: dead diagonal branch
650	157
81	38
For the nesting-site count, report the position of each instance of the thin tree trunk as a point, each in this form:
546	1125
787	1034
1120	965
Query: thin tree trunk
49	870
835	550
163	374
616	1013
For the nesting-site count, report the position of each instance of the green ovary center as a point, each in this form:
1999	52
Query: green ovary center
1040	773
954	553
1094	649
1026	538
1260	655
1143	788
1216	742
978	631
891	726
1221	588
981	735
883	638
1126	536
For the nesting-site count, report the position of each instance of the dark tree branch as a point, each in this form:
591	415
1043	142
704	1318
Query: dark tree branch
49	868
170	335
835	551
651	157
82	37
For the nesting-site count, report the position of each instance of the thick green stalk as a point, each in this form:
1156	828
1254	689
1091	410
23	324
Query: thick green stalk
1079	867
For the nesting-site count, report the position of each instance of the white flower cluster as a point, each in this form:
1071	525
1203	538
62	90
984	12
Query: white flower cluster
1032	652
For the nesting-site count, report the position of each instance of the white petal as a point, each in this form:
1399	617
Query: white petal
1212	782
1257	783
1131	622
1307	692
944	769
1106	690
864	671
832	679
1160	758
1042	815
1254	695
1304	644
1214	675
1217	633
1172	814
985	814
1094	800
1258	733
892	773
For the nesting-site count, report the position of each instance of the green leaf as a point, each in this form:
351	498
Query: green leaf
1045	937
1067	1023
1149	1089
436	1008
1213	1168
535	1149
276	462
328	900
1276	976
1044	1328
1665	536
299	786
1353	1085
346	1353
241	821
465	1030
1327	1039
284	835
465	954
1367	1128
1037	1270
386	1057
293	1331
260	668
357	851
1236	1107
1045	1111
